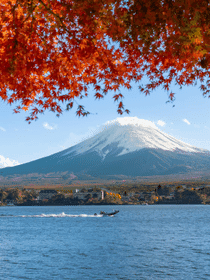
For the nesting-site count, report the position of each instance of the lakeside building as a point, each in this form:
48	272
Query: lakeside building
85	195
46	194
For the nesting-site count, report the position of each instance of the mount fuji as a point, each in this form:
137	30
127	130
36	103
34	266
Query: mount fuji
125	146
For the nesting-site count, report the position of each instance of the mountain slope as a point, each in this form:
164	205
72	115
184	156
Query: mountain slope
125	146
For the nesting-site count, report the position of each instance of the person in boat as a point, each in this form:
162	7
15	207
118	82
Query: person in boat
109	214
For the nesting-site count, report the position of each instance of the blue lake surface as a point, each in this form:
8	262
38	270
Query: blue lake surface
140	242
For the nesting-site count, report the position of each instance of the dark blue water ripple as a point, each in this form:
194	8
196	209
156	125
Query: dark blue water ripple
140	242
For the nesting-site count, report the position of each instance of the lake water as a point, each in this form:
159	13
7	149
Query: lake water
140	242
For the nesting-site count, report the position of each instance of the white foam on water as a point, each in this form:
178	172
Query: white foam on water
61	215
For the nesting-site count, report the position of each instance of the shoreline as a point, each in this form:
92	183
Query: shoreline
102	204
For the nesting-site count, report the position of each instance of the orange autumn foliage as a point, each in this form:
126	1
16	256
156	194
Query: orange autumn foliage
53	51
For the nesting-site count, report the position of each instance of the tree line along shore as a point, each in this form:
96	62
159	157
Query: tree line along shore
108	195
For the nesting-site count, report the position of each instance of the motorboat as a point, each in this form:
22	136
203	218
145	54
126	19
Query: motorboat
109	214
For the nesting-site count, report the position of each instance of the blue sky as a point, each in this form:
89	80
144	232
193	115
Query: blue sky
188	121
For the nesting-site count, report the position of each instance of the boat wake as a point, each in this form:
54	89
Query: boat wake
61	215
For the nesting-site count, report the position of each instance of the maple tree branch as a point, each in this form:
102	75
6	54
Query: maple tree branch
56	16
15	40
31	10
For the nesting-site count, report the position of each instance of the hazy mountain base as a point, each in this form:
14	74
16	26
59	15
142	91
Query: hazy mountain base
146	165
68	179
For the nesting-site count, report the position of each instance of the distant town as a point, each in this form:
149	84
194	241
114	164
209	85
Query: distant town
133	194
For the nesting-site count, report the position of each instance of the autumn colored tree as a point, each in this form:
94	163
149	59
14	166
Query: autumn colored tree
53	51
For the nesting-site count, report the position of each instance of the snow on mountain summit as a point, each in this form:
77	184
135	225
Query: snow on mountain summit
130	134
134	121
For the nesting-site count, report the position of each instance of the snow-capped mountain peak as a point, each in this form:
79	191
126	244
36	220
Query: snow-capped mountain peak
130	134
133	121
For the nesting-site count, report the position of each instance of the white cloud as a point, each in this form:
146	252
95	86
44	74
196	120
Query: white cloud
2	129
161	123
48	126
186	121
5	162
